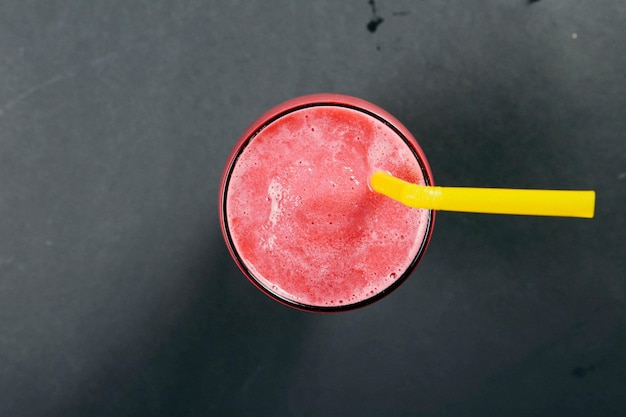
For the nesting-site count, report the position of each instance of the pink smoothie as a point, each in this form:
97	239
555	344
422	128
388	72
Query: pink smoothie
302	218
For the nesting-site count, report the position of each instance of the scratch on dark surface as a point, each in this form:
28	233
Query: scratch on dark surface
533	1
70	73
37	88
96	62
376	20
251	377
103	59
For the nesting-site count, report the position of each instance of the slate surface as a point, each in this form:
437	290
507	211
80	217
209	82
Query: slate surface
118	296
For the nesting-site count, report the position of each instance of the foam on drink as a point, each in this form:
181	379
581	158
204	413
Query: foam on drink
302	218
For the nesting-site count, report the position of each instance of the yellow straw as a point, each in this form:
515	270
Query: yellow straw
486	200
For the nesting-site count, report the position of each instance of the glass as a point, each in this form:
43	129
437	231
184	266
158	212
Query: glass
298	216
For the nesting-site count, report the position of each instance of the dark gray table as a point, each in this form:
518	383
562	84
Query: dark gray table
117	294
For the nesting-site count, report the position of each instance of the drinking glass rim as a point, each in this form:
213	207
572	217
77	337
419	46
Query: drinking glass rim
304	102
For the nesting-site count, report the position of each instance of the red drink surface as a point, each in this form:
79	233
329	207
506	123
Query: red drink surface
302	218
